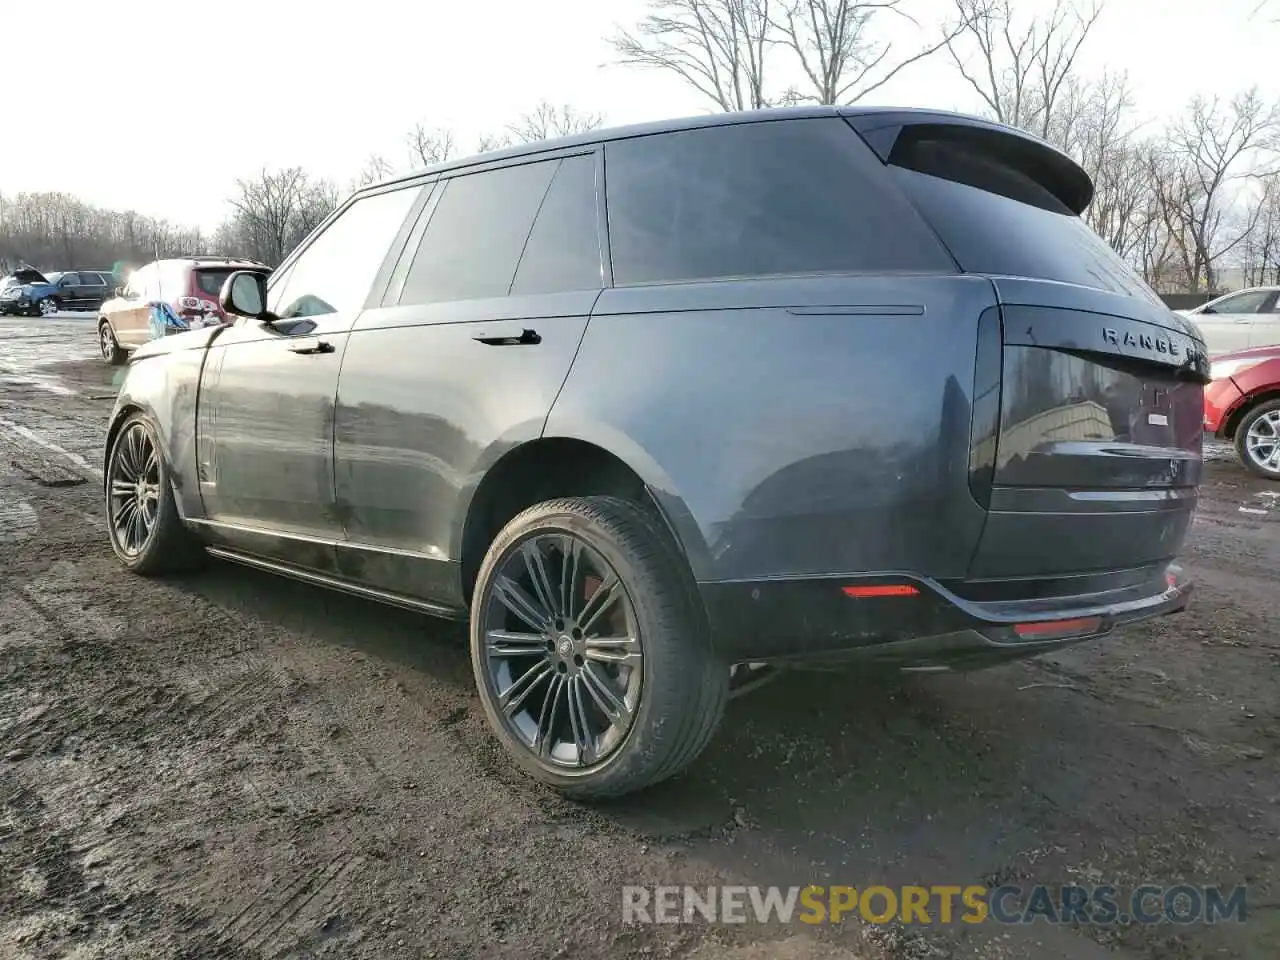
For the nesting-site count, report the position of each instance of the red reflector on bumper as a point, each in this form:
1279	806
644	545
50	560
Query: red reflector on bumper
1057	629
882	590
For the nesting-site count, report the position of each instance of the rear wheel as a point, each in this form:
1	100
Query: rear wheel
146	532
109	346
590	652
1258	440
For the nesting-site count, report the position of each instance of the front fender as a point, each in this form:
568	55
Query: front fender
165	386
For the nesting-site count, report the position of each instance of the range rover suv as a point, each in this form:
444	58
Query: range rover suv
814	386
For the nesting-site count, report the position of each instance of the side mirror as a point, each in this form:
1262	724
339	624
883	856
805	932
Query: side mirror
244	293
119	292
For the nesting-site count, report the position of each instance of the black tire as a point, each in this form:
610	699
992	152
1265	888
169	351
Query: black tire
47	305
108	346
683	686
168	547
1260	419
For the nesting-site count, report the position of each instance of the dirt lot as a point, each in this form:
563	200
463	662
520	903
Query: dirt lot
238	766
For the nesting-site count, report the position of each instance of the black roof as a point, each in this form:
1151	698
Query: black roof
866	118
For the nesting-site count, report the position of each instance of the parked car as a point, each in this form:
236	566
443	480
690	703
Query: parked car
1238	321
28	292
80	289
804	387
164	297
1242	404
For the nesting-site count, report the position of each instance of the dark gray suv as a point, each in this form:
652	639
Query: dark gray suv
787	387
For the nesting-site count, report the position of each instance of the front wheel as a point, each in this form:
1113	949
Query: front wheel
591	654
47	306
1258	440
146	532
109	346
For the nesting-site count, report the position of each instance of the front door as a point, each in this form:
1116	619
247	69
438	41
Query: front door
264	429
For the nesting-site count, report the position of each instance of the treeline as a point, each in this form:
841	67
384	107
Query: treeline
1192	201
267	214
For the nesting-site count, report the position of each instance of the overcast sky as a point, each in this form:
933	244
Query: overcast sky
164	103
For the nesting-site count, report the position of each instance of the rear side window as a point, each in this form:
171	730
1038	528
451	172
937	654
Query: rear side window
996	217
476	234
758	199
563	252
210	282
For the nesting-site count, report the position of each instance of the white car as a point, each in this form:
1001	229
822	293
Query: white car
1237	321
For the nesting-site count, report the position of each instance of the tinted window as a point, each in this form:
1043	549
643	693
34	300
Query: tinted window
210	281
67	279
92	280
563	252
334	273
997	219
476	234
757	199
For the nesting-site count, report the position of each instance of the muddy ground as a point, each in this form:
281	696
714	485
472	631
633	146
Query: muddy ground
238	766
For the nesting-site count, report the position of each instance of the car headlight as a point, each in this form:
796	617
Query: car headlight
1221	369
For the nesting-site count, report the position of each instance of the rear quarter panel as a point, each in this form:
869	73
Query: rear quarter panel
163	381
794	427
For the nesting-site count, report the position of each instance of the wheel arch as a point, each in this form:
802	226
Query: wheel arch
560	465
1253	400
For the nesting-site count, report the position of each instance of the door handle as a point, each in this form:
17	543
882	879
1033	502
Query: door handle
526	338
311	345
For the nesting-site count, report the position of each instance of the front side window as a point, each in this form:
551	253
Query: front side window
334	273
1250	302
476	234
789	197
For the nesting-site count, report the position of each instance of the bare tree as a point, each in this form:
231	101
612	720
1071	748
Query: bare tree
492	141
718	47
834	42
376	168
1211	150
1021	73
428	146
1260	249
547	121
275	210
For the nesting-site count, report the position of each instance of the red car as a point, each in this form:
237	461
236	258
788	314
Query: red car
1242	403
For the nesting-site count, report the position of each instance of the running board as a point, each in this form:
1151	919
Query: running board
342	586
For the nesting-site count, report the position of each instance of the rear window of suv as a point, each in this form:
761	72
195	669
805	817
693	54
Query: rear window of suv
997	217
210	280
758	199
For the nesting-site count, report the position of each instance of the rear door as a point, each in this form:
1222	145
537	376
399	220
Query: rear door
131	314
478	327
1094	452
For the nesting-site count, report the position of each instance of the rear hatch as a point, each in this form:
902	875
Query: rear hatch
1086	445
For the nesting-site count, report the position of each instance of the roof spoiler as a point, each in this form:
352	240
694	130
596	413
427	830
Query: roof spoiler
887	130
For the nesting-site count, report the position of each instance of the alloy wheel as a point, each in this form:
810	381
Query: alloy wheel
133	490
562	651
47	307
106	342
1262	442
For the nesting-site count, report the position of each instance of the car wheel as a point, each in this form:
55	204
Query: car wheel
146	532
590	650
47	306
109	346
1258	440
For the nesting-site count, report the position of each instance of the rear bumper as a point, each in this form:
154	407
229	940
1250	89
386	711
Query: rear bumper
813	622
